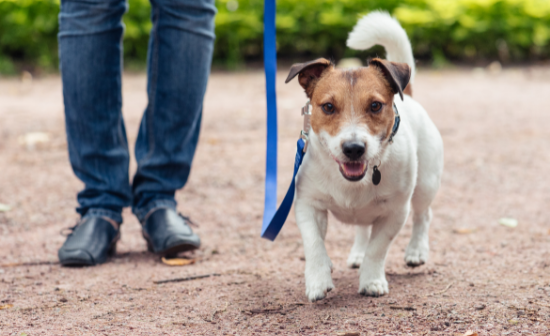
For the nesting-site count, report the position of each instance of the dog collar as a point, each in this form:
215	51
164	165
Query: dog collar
395	123
304	134
376	175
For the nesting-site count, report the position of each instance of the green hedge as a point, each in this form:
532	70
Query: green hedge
28	33
456	30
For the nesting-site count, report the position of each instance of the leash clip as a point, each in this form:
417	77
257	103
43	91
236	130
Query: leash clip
304	133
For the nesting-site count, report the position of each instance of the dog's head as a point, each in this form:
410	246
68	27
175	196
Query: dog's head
352	110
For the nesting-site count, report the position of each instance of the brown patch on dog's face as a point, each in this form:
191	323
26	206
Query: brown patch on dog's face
352	93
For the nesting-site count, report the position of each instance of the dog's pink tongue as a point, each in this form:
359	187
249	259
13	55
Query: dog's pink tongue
354	168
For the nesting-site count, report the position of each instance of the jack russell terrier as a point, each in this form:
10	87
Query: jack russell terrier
372	154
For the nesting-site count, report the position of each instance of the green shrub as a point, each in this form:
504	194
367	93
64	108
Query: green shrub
304	28
510	30
28	30
440	30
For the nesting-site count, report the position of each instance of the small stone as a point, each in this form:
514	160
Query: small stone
495	68
508	222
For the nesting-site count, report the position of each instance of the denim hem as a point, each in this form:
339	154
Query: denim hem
96	212
163	203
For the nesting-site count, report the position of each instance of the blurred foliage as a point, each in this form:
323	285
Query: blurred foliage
508	30
440	30
28	31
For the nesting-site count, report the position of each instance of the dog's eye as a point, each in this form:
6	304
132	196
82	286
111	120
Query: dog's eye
328	108
375	107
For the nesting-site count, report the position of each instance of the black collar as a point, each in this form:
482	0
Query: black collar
395	124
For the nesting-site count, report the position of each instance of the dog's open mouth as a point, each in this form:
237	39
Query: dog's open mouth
353	171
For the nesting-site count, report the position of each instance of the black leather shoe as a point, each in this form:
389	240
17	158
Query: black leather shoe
92	241
167	233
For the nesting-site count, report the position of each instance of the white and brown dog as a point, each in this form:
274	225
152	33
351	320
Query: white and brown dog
352	138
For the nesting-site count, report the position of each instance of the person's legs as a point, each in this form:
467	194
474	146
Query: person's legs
179	59
90	50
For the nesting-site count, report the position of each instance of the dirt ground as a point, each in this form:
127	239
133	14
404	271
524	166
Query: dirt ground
482	276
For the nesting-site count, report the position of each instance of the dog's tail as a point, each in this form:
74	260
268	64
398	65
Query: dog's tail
380	28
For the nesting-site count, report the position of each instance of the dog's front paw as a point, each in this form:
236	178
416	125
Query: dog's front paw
374	288
355	259
416	256
318	283
319	290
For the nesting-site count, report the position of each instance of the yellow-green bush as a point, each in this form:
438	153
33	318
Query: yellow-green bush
463	30
28	31
510	30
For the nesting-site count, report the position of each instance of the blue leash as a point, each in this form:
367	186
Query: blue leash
272	225
274	219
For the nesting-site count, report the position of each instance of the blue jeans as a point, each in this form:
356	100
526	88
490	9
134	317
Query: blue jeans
178	66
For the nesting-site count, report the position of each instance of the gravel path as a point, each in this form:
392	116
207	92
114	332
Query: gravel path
482	276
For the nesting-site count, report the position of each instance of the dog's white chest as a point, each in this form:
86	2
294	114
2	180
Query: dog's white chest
365	209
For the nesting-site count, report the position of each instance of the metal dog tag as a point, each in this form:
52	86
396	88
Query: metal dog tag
376	176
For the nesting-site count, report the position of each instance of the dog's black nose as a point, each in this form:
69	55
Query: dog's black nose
353	150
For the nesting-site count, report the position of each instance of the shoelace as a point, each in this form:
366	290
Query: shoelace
71	229
188	220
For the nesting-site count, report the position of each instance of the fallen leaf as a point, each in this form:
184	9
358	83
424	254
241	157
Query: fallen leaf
464	230
509	222
470	333
514	322
6	306
177	261
4	207
348	333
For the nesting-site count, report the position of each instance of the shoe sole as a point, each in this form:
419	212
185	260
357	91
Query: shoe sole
83	263
172	250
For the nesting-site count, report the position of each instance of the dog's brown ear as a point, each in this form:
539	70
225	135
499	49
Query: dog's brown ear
308	73
397	74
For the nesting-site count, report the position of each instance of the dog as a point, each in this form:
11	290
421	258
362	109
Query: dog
364	122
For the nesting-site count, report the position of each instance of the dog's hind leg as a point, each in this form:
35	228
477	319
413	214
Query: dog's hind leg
428	181
418	249
312	223
372	278
362	237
